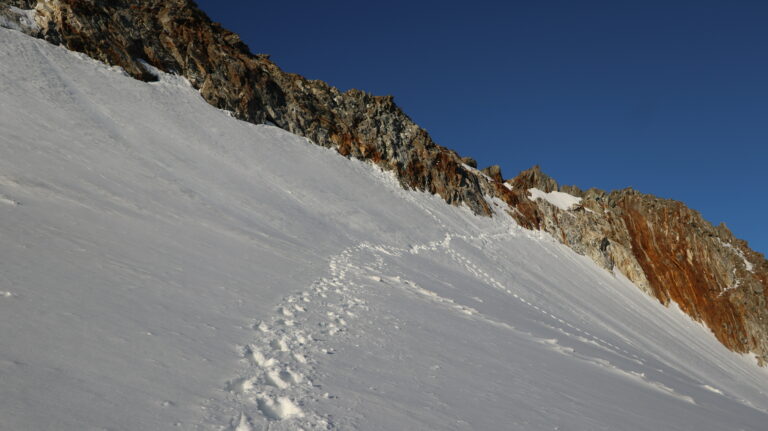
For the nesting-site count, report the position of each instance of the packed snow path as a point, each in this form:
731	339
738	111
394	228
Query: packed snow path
165	266
280	373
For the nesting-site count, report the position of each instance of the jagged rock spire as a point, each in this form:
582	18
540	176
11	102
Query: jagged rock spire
534	177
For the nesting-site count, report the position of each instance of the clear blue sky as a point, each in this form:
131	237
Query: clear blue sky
668	97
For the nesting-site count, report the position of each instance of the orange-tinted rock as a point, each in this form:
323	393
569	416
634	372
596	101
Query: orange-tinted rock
672	253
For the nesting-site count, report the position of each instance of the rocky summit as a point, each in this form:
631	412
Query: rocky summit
665	248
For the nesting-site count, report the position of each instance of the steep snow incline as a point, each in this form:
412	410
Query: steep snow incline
165	266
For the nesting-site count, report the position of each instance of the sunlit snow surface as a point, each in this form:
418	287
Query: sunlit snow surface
164	266
562	200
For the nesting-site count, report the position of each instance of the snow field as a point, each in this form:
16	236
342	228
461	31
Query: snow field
165	266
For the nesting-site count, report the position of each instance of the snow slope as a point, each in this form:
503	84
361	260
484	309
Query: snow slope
164	266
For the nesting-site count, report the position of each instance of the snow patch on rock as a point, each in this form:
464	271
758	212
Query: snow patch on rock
562	200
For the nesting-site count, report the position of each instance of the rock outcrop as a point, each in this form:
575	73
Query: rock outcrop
665	248
669	251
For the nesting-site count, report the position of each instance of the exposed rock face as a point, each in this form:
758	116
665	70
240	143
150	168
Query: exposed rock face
669	251
494	172
534	178
22	4
665	248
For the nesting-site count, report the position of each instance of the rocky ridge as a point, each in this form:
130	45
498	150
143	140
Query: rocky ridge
665	248
669	251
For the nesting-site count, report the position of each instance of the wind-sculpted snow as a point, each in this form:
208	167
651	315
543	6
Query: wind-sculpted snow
165	266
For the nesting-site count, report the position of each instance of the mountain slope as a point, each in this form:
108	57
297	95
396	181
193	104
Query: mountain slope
166	266
665	248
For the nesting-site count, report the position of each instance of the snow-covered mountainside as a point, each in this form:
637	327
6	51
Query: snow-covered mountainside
665	248
165	266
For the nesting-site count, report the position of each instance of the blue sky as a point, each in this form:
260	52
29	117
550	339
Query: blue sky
670	98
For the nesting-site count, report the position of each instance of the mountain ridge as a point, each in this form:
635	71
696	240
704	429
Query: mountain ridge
665	248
